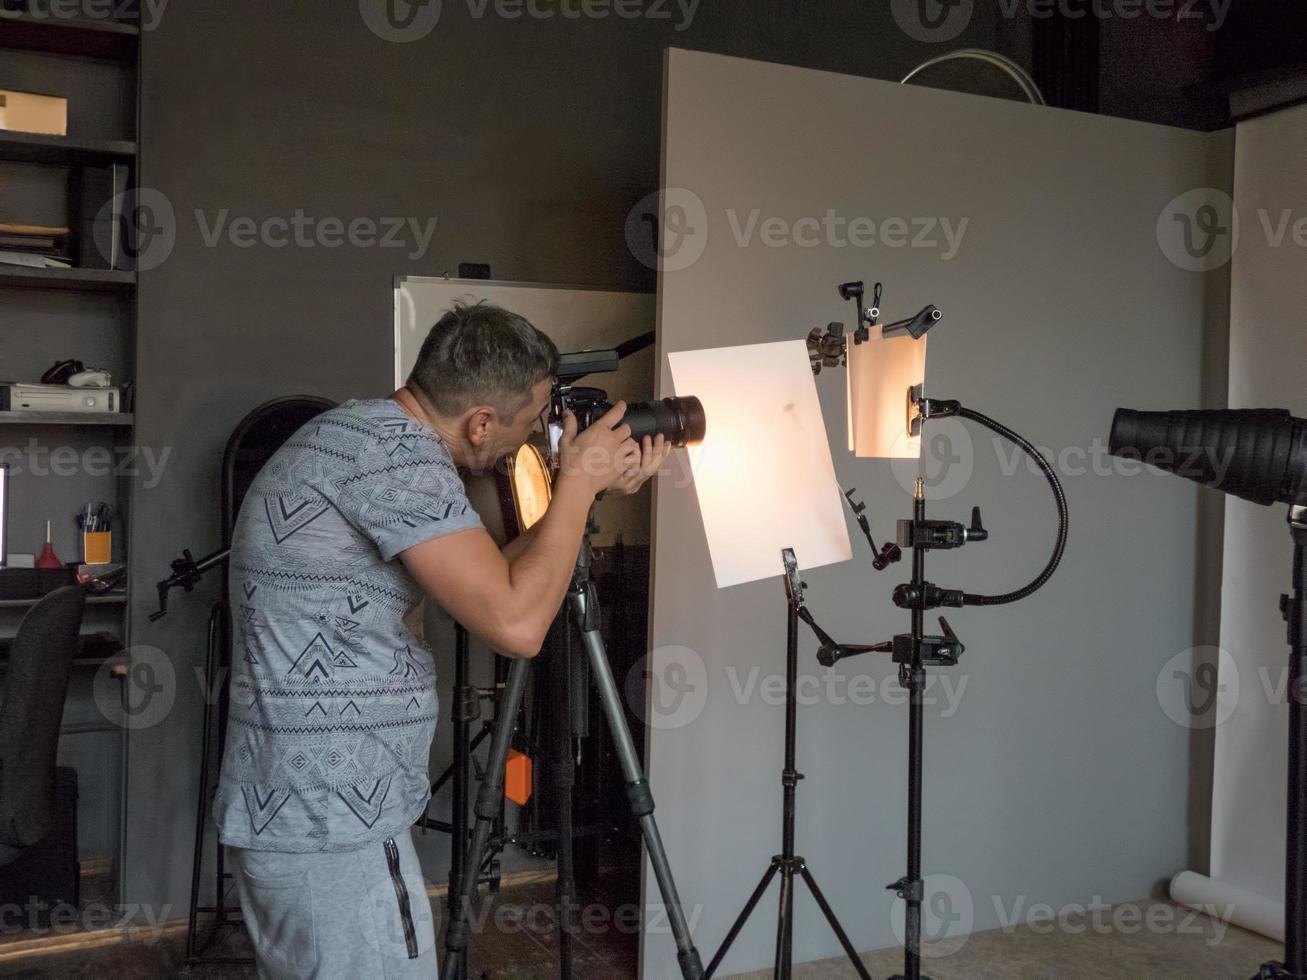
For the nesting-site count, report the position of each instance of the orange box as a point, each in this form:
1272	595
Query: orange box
27	112
517	777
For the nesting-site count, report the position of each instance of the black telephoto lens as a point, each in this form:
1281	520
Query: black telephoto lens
1257	454
680	421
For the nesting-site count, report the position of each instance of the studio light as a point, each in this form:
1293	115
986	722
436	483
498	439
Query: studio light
1257	454
1261	456
532	488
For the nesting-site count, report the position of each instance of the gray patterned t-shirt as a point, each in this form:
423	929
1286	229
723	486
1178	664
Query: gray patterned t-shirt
333	698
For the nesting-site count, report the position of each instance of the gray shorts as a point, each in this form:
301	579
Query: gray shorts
347	914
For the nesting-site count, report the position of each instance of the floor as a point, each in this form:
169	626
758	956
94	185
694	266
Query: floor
521	946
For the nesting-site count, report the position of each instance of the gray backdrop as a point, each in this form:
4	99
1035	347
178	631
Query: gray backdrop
1056	776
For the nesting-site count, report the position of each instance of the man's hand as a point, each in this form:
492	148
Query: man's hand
653	453
602	455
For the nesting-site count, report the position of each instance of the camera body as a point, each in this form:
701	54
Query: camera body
680	421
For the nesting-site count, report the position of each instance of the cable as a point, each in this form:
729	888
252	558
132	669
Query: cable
1059	496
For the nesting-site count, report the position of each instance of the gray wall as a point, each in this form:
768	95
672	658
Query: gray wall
528	140
1057	777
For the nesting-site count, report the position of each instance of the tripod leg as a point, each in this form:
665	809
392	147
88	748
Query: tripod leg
585	608
785	926
562	671
201	808
743	917
834	922
461	767
488	800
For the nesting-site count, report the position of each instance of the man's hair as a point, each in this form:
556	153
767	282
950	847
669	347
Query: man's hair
482	355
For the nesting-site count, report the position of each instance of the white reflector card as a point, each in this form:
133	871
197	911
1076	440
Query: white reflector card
763	474
880	373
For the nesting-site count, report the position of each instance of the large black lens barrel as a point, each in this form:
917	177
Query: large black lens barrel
680	420
1257	454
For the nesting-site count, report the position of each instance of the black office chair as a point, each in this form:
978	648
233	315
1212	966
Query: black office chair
38	800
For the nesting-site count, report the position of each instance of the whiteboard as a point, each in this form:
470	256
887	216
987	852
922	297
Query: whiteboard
575	318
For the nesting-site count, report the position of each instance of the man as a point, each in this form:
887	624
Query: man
357	518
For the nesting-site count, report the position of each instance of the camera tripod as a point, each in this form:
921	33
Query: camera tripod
583	607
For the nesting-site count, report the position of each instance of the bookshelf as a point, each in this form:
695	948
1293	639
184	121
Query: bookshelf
86	280
66	150
50	315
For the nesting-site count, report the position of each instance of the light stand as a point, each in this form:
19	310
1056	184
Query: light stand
1263	454
1294	609
915	651
787	863
583	604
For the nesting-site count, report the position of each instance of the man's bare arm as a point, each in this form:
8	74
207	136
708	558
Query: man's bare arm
510	601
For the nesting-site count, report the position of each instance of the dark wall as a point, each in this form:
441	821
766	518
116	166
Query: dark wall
527	140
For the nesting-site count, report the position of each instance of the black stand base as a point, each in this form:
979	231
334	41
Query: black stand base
1278	971
787	868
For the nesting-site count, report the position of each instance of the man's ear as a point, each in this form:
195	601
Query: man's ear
480	423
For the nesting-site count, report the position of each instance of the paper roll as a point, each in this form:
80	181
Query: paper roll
1216	898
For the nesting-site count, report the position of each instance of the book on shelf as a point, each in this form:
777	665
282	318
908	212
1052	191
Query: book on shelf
32	260
99	196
